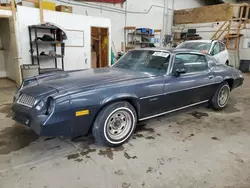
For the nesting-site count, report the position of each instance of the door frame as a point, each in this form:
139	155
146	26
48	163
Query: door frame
13	23
108	42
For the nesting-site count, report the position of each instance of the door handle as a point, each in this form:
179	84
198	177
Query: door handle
211	77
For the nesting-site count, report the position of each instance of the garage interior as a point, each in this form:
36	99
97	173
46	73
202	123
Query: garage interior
196	147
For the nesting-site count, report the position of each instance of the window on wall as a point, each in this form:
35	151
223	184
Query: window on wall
190	62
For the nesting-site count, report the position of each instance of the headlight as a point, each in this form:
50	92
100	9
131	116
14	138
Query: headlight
40	105
16	96
51	105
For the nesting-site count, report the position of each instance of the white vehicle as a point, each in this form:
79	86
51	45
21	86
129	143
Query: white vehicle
213	47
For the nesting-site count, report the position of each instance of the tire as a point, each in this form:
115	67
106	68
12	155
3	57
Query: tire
115	124
217	102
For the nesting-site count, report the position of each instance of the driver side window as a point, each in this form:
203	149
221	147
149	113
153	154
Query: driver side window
190	62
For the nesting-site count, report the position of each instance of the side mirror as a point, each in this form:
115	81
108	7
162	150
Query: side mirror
180	71
211	63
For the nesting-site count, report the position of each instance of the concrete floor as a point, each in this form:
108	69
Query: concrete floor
194	148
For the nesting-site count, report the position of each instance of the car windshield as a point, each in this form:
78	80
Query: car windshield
153	62
201	46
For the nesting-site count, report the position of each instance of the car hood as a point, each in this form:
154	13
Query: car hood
88	78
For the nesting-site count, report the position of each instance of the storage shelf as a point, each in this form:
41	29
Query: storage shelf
47	42
134	36
36	43
49	70
48	56
130	28
140	42
42	27
144	34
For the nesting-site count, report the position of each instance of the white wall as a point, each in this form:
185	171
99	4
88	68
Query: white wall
244	52
75	57
181	4
140	13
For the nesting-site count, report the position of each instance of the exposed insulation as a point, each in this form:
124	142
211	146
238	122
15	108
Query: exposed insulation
214	13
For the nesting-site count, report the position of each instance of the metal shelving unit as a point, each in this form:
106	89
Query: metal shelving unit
136	38
35	44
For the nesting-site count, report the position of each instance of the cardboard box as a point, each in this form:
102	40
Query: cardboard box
63	8
27	4
47	5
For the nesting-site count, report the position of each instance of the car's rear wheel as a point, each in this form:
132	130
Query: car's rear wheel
221	96
115	124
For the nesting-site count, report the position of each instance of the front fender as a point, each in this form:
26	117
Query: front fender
130	97
119	96
227	78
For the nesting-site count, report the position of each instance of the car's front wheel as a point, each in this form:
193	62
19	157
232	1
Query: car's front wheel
115	124
221	96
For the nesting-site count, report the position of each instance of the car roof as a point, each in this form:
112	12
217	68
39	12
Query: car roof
174	50
205	41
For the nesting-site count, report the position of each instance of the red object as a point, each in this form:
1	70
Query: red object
107	1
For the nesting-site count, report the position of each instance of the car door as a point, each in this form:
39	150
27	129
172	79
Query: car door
223	53
219	52
151	102
152	98
215	51
194	86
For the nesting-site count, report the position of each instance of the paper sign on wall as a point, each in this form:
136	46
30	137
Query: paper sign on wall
75	38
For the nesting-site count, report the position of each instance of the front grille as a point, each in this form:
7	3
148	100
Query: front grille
26	100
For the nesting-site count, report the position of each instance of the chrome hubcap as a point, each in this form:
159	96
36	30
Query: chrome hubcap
119	124
223	96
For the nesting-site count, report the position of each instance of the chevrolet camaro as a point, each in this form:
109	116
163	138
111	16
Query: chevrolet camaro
143	84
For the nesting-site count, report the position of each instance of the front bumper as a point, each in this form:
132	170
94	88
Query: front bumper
43	125
238	82
26	116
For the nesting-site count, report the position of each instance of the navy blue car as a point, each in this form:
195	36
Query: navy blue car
110	101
